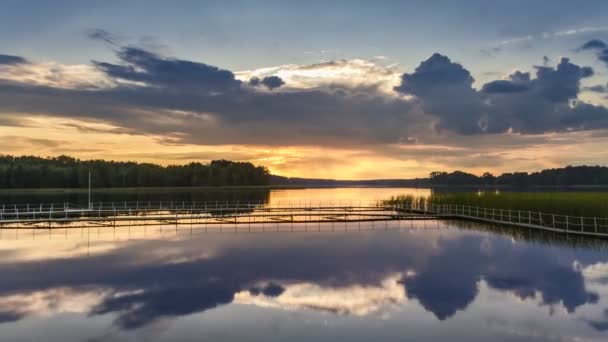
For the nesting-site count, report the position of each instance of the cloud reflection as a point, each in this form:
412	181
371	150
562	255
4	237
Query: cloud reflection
342	273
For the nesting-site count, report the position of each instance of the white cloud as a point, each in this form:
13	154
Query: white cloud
65	76
356	300
350	73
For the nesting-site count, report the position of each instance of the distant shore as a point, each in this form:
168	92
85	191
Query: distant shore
292	186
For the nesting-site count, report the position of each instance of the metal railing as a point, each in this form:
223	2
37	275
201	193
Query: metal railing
177	212
525	218
209	212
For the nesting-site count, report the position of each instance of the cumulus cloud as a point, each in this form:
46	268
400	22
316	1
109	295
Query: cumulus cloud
352	103
548	102
445	89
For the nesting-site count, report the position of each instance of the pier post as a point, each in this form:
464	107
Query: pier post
519	216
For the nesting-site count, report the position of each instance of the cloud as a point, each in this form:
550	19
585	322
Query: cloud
504	86
518	104
12	60
338	103
598	88
553	35
102	35
172	74
270	82
600	48
445	90
593	44
347	73
193	102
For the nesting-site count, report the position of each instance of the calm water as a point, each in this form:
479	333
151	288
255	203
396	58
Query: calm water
421	281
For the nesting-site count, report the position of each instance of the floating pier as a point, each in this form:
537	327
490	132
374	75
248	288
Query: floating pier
120	214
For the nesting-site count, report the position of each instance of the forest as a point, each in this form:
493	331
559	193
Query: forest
567	176
68	172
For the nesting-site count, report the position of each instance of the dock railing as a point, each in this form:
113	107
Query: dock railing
586	225
397	210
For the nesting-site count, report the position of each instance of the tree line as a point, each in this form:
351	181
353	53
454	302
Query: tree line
68	172
568	176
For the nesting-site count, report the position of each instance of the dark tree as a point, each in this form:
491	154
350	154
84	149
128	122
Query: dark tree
65	172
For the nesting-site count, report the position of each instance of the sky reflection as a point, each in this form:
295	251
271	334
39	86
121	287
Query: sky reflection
436	274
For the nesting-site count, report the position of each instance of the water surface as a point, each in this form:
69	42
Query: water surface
387	281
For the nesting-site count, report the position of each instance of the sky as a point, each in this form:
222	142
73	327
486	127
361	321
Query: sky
329	89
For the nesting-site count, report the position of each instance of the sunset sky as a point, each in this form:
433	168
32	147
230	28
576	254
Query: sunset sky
331	89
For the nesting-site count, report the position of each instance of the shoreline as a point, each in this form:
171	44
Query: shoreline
580	187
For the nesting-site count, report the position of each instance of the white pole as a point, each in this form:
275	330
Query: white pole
89	189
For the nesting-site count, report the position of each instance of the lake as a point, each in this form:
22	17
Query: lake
383	281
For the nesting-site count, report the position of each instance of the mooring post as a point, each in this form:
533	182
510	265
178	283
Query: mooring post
566	222
519	216
553	216
582	224
595	223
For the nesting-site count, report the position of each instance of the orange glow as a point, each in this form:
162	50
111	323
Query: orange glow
90	140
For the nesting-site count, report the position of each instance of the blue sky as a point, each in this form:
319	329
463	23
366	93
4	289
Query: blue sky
375	75
253	34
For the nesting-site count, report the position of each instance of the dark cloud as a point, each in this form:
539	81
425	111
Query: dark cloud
561	83
192	102
171	74
102	35
600	48
600	325
445	90
504	86
598	88
254	81
520	103
594	44
197	103
12	60
269	290
272	82
554	84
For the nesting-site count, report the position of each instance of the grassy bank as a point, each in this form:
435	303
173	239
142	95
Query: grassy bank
567	203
